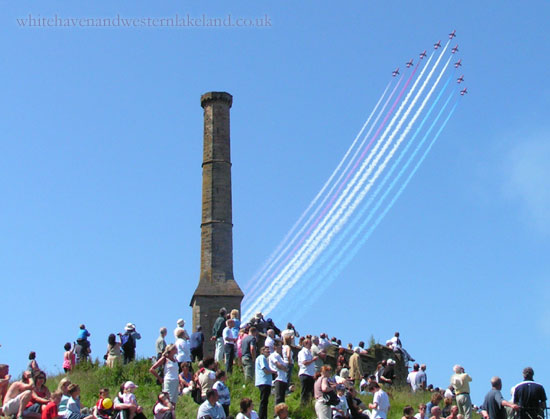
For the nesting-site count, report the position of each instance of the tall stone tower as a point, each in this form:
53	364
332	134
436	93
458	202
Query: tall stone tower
217	287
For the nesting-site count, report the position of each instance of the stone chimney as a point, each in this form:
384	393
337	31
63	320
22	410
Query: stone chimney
217	287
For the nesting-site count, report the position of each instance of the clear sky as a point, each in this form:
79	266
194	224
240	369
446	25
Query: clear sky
100	173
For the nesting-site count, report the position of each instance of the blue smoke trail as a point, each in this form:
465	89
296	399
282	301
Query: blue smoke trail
349	256
321	263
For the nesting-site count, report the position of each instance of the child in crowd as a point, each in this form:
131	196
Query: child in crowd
50	410
69	360
163	408
130	398
341	410
103	409
33	365
73	405
223	391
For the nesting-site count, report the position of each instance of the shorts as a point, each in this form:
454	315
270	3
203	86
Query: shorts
11	407
172	388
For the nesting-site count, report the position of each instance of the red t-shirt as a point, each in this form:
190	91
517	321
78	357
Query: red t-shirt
49	411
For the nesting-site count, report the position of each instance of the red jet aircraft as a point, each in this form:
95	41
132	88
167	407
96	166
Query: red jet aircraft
410	63
452	34
422	54
437	44
460	79
463	91
458	63
395	72
455	49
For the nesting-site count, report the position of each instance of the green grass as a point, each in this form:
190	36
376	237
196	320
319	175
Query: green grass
91	377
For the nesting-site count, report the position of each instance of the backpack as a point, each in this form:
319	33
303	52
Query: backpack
128	343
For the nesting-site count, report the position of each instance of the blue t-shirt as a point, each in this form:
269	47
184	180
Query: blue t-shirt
263	379
83	334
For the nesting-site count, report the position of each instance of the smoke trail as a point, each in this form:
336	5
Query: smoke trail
298	259
350	228
277	282
318	242
315	250
349	256
259	279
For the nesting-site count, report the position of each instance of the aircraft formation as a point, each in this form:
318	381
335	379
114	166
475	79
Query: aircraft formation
437	45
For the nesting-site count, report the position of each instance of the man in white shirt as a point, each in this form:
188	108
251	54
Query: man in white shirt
270	340
380	403
180	325
306	362
276	363
413	378
229	345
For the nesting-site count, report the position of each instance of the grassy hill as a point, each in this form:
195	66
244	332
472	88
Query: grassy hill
91	377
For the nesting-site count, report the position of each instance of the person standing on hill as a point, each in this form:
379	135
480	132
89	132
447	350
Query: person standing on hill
461	383
413	379
82	340
277	364
530	396
217	332
306	362
388	374
197	344
160	344
114	355
180	325
128	340
494	405
380	402
356	369
264	380
229	341
248	349
422	378
169	378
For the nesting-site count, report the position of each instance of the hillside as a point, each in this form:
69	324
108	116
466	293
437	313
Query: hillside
91	377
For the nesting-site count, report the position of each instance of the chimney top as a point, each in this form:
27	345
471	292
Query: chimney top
216	97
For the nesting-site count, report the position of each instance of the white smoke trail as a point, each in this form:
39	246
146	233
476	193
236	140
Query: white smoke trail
326	236
288	270
351	229
261	275
273	292
333	273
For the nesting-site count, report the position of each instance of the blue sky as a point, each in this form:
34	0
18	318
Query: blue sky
100	176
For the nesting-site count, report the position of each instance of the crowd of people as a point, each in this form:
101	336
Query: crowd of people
332	387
